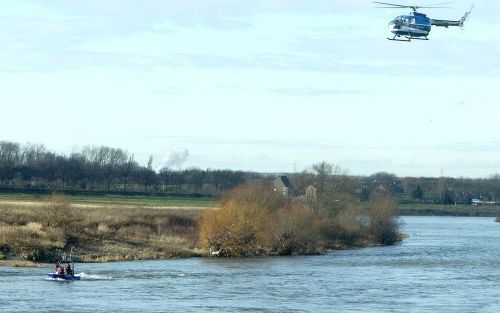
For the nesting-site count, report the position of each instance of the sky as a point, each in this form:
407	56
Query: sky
261	85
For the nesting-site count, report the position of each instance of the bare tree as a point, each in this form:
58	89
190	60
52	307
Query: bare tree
10	158
128	168
148	174
165	177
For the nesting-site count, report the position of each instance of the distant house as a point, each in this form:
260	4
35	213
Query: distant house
397	189
380	190
478	202
282	185
311	193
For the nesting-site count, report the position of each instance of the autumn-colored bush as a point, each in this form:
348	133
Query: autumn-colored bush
345	228
289	230
254	197
27	241
55	211
254	220
384	227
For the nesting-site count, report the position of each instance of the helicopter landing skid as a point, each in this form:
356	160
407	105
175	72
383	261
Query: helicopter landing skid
404	40
419	38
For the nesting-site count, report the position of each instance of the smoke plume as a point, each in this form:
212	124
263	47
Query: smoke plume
174	159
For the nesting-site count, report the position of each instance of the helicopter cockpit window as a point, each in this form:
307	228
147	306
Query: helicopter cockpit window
398	22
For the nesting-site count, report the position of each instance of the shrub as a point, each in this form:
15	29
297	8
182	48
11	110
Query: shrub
55	211
254	220
382	213
27	242
233	230
229	231
346	228
254	197
290	230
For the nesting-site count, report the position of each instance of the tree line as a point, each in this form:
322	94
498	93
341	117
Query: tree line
431	190
107	169
101	168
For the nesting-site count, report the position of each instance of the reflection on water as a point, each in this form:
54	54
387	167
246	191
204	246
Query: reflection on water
447	264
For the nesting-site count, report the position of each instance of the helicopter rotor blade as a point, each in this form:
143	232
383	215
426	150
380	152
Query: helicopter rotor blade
415	7
437	4
392	5
433	7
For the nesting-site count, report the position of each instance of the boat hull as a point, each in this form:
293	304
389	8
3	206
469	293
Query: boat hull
56	276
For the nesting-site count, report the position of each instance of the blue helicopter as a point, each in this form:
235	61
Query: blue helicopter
417	25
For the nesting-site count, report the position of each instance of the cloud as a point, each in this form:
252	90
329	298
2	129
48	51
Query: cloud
471	147
320	36
308	92
207	12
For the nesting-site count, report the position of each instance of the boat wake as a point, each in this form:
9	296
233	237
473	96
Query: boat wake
56	279
84	276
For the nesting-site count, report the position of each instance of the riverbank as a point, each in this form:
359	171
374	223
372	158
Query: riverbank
448	210
34	231
41	232
263	223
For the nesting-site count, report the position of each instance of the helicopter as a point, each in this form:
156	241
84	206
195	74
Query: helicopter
417	25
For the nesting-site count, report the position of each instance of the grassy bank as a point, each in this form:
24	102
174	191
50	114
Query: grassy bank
448	210
253	220
149	201
41	232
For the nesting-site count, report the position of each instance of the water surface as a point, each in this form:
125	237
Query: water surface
447	264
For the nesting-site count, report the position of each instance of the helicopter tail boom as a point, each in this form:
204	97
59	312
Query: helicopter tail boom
446	23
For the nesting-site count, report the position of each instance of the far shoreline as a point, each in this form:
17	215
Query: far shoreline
448	210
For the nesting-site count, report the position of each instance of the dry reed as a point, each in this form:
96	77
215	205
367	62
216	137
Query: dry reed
41	233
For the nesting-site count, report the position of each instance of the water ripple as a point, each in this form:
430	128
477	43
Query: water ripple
446	265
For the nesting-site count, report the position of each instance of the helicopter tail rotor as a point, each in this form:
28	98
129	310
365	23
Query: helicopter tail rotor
465	17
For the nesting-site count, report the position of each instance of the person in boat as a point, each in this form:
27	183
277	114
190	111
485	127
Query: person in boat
69	271
57	266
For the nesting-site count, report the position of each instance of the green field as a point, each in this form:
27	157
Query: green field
122	200
405	209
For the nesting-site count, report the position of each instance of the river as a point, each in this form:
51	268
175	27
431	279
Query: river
447	264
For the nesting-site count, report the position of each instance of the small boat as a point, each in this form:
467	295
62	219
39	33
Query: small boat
64	277
64	270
